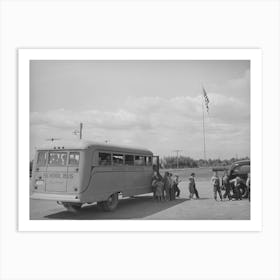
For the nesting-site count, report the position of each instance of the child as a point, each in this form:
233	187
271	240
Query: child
155	180
176	183
216	186
159	191
237	183
191	187
248	184
172	188
166	186
226	185
194	186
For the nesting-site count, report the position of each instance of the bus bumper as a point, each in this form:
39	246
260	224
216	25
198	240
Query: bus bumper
56	197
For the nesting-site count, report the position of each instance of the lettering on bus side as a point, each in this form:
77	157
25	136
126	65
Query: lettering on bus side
58	175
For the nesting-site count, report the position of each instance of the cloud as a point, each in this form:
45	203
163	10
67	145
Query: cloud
152	116
161	123
66	119
239	87
56	118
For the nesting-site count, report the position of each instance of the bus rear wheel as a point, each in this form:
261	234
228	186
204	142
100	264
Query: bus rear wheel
72	207
111	203
99	205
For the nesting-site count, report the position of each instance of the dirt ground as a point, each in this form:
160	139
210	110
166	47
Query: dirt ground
144	207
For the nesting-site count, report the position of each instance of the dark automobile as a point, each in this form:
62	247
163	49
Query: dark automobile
239	168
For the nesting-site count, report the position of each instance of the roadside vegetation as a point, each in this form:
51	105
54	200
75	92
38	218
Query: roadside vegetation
187	162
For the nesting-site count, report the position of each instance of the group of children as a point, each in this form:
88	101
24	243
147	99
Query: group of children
165	188
230	185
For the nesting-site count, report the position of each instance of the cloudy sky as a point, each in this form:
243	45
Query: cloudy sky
154	104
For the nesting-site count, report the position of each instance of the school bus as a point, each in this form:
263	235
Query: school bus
83	172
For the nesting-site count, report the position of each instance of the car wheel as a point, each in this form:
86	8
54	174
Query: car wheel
243	190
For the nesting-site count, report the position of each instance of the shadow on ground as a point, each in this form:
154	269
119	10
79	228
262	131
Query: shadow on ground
130	208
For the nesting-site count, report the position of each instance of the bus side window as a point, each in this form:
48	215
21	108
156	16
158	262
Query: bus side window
129	160
118	159
104	159
139	160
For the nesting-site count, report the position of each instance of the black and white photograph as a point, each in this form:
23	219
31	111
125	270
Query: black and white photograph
140	139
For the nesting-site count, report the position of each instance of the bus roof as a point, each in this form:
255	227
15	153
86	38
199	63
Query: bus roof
82	144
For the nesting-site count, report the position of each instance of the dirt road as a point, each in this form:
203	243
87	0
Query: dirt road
144	207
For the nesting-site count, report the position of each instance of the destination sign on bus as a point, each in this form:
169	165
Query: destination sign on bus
58	175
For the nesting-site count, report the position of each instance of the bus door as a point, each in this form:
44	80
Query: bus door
156	163
56	180
73	172
39	173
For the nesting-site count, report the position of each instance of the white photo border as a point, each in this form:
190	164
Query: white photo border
24	58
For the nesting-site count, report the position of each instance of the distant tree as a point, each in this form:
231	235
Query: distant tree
184	162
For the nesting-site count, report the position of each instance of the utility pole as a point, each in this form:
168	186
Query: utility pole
81	130
177	156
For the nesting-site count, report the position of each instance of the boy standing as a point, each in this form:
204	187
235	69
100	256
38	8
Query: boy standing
227	186
167	186
215	180
237	183
194	187
172	188
191	187
248	184
176	183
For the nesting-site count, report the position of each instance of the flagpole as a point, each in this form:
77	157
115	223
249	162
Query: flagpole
203	124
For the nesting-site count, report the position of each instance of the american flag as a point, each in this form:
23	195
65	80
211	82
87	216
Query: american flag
206	99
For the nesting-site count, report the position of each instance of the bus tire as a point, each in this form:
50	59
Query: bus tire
99	205
77	207
111	203
72	207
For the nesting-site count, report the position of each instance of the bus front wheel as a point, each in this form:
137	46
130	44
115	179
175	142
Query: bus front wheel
111	203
